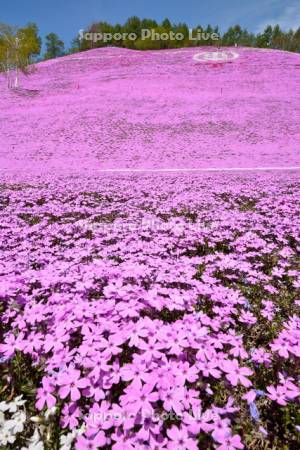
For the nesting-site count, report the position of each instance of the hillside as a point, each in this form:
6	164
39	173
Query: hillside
120	108
146	311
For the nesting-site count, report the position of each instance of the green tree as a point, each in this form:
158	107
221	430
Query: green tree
147	24
32	43
133	25
232	36
247	39
272	38
295	43
54	46
183	29
6	37
207	33
117	29
18	48
76	46
147	44
195	31
277	38
264	40
166	24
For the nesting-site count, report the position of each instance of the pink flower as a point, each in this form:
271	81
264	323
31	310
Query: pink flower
139	397
177	343
101	416
260	356
172	399
209	368
269	310
56	341
44	395
122	441
292	391
151	349
236	374
11	344
278	394
221	429
71	413
33	342
140	327
149	428
136	335
111	346
250	396
247	317
180	439
135	370
191	398
71	383
238	350
163	377
230	443
229	408
84	443
281	346
99	365
185	373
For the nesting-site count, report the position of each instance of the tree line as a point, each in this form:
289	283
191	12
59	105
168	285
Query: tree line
272	37
20	47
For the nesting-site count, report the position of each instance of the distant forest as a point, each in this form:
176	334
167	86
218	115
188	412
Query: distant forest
271	37
19	47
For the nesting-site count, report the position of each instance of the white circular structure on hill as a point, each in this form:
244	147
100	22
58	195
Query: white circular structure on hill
216	57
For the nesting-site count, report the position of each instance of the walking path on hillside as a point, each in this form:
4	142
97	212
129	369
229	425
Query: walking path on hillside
208	169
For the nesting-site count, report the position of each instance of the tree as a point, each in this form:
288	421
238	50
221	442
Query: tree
54	46
181	28
147	24
264	40
18	48
247	39
32	43
277	38
295	44
269	38
207	33
76	46
166	24
232	36
6	34
133	25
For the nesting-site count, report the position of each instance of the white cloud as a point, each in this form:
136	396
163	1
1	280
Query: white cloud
288	18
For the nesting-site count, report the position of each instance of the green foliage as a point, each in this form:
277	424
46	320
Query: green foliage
265	39
54	46
133	25
235	35
31	41
18	49
20	45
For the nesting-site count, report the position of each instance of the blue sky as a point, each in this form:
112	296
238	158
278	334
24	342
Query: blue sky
67	17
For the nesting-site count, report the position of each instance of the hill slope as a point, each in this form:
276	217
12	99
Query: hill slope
154	311
122	108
